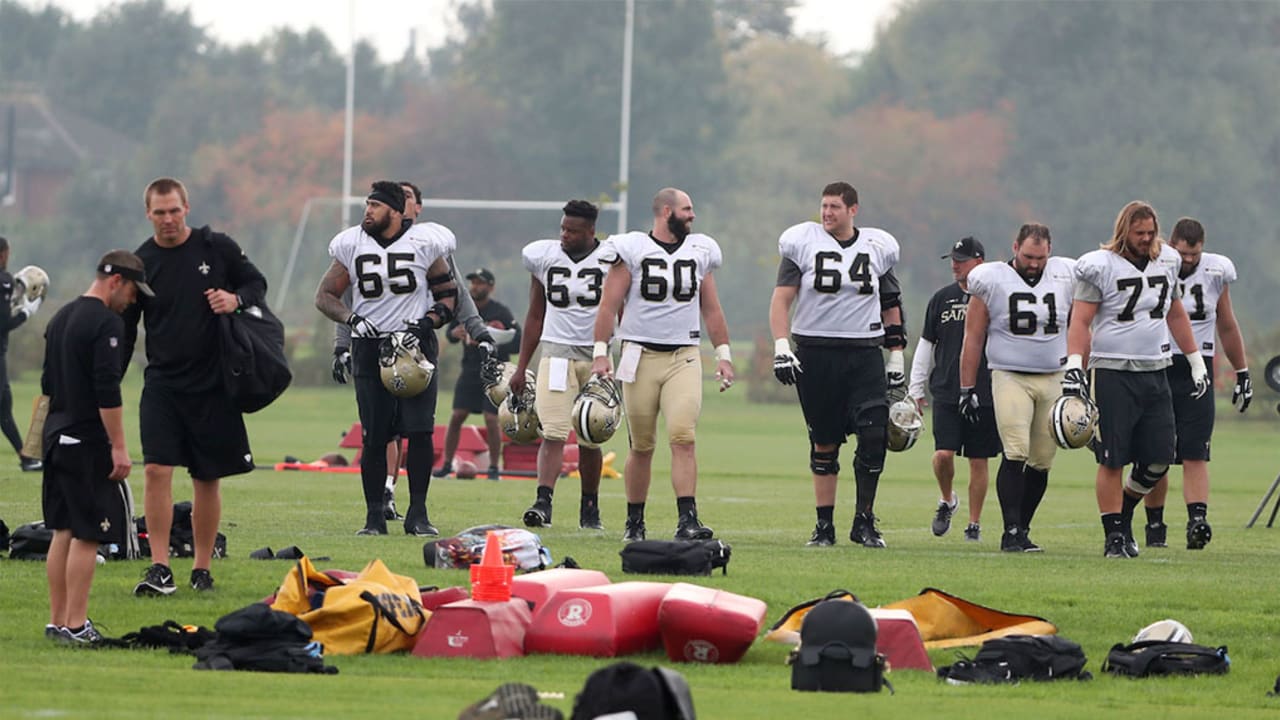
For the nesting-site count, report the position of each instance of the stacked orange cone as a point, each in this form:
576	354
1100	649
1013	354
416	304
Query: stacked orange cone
491	579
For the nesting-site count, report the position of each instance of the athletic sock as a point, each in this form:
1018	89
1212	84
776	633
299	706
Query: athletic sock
391	482
1009	489
1197	509
1035	482
826	514
1155	515
635	511
686	505
545	493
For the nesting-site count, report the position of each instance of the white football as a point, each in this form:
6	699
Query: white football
1165	631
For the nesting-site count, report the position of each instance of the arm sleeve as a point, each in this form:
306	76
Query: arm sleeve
789	274
921	365
890	292
342	331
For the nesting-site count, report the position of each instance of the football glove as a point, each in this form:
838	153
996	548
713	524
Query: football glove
786	366
1199	375
1243	392
362	326
895	374
1075	382
969	405
341	365
30	305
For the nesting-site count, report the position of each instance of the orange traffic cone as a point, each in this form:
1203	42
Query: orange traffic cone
491	579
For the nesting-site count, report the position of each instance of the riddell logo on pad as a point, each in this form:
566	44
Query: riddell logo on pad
574	613
701	651
458	640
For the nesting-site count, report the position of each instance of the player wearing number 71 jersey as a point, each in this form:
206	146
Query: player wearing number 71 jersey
662	283
1018	312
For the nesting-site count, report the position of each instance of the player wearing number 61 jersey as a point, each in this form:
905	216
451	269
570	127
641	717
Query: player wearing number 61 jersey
662	283
564	293
847	305
1018	312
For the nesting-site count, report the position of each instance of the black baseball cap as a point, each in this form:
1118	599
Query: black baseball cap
128	266
966	249
483	274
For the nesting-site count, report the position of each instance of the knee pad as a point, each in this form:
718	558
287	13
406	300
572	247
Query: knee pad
1142	479
824	463
872	446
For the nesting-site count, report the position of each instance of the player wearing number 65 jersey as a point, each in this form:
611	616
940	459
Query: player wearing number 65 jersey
847	305
400	278
1204	278
564	292
1125	308
1018	313
662	283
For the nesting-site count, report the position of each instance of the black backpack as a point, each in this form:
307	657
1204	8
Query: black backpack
259	638
650	693
1157	657
675	557
1013	658
255	369
30	541
837	651
181	536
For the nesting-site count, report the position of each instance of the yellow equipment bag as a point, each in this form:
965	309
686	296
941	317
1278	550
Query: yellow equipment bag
375	612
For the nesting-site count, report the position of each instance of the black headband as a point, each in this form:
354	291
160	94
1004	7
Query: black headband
387	199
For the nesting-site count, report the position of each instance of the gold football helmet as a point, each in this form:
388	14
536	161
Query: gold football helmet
405	370
597	412
1072	421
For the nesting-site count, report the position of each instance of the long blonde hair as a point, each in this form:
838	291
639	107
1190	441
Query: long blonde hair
1129	214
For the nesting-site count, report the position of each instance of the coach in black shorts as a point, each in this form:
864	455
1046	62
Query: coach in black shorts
84	448
937	358
186	418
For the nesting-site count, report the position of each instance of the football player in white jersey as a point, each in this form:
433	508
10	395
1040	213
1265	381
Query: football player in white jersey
1203	278
847	306
1126	307
564	292
1018	313
662	283
400	279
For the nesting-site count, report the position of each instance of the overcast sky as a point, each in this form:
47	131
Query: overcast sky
847	25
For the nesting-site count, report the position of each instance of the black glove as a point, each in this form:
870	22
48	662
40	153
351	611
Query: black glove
786	367
1075	382
969	405
341	365
1242	395
362	326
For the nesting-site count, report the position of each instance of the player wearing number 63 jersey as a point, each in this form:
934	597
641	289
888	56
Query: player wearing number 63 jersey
662	283
1125	309
400	279
847	305
1018	312
1204	278
564	293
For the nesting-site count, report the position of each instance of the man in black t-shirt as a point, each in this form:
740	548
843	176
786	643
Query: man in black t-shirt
185	416
468	393
937	358
11	318
84	448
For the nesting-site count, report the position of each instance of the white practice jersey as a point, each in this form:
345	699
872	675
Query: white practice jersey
839	293
572	289
389	284
663	304
1200	292
1027	331
1131	320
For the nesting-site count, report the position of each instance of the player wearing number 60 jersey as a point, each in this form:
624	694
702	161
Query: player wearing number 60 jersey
564	293
662	283
847	305
1018	313
1125	309
399	277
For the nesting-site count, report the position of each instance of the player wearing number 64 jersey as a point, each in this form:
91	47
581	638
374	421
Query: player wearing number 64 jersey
1018	313
662	283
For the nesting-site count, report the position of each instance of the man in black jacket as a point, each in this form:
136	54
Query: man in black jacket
186	418
10	321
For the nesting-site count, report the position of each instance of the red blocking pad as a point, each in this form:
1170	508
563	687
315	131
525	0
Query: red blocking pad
539	586
432	599
898	639
601	621
701	624
472	629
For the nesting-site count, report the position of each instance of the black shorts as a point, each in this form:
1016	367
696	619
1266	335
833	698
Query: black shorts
203	432
952	432
1194	416
77	494
468	393
841	390
1135	418
384	416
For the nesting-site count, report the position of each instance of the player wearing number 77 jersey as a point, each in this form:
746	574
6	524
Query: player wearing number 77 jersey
1125	309
1018	312
664	279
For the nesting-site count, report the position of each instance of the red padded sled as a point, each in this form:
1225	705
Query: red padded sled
539	586
475	630
601	621
701	624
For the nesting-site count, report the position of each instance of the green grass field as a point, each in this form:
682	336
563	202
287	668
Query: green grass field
755	491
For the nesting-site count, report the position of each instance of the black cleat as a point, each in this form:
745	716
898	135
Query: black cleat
1114	547
864	531
1198	533
1130	544
494	473
443	470
1157	535
688	528
201	580
589	517
824	535
973	533
366	530
1024	537
1011	539
418	524
158	580
634	531
538	515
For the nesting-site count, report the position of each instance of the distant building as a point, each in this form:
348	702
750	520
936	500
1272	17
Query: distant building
49	147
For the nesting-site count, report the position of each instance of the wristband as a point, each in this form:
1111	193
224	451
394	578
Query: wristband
896	363
1074	362
723	353
1196	362
599	349
782	346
